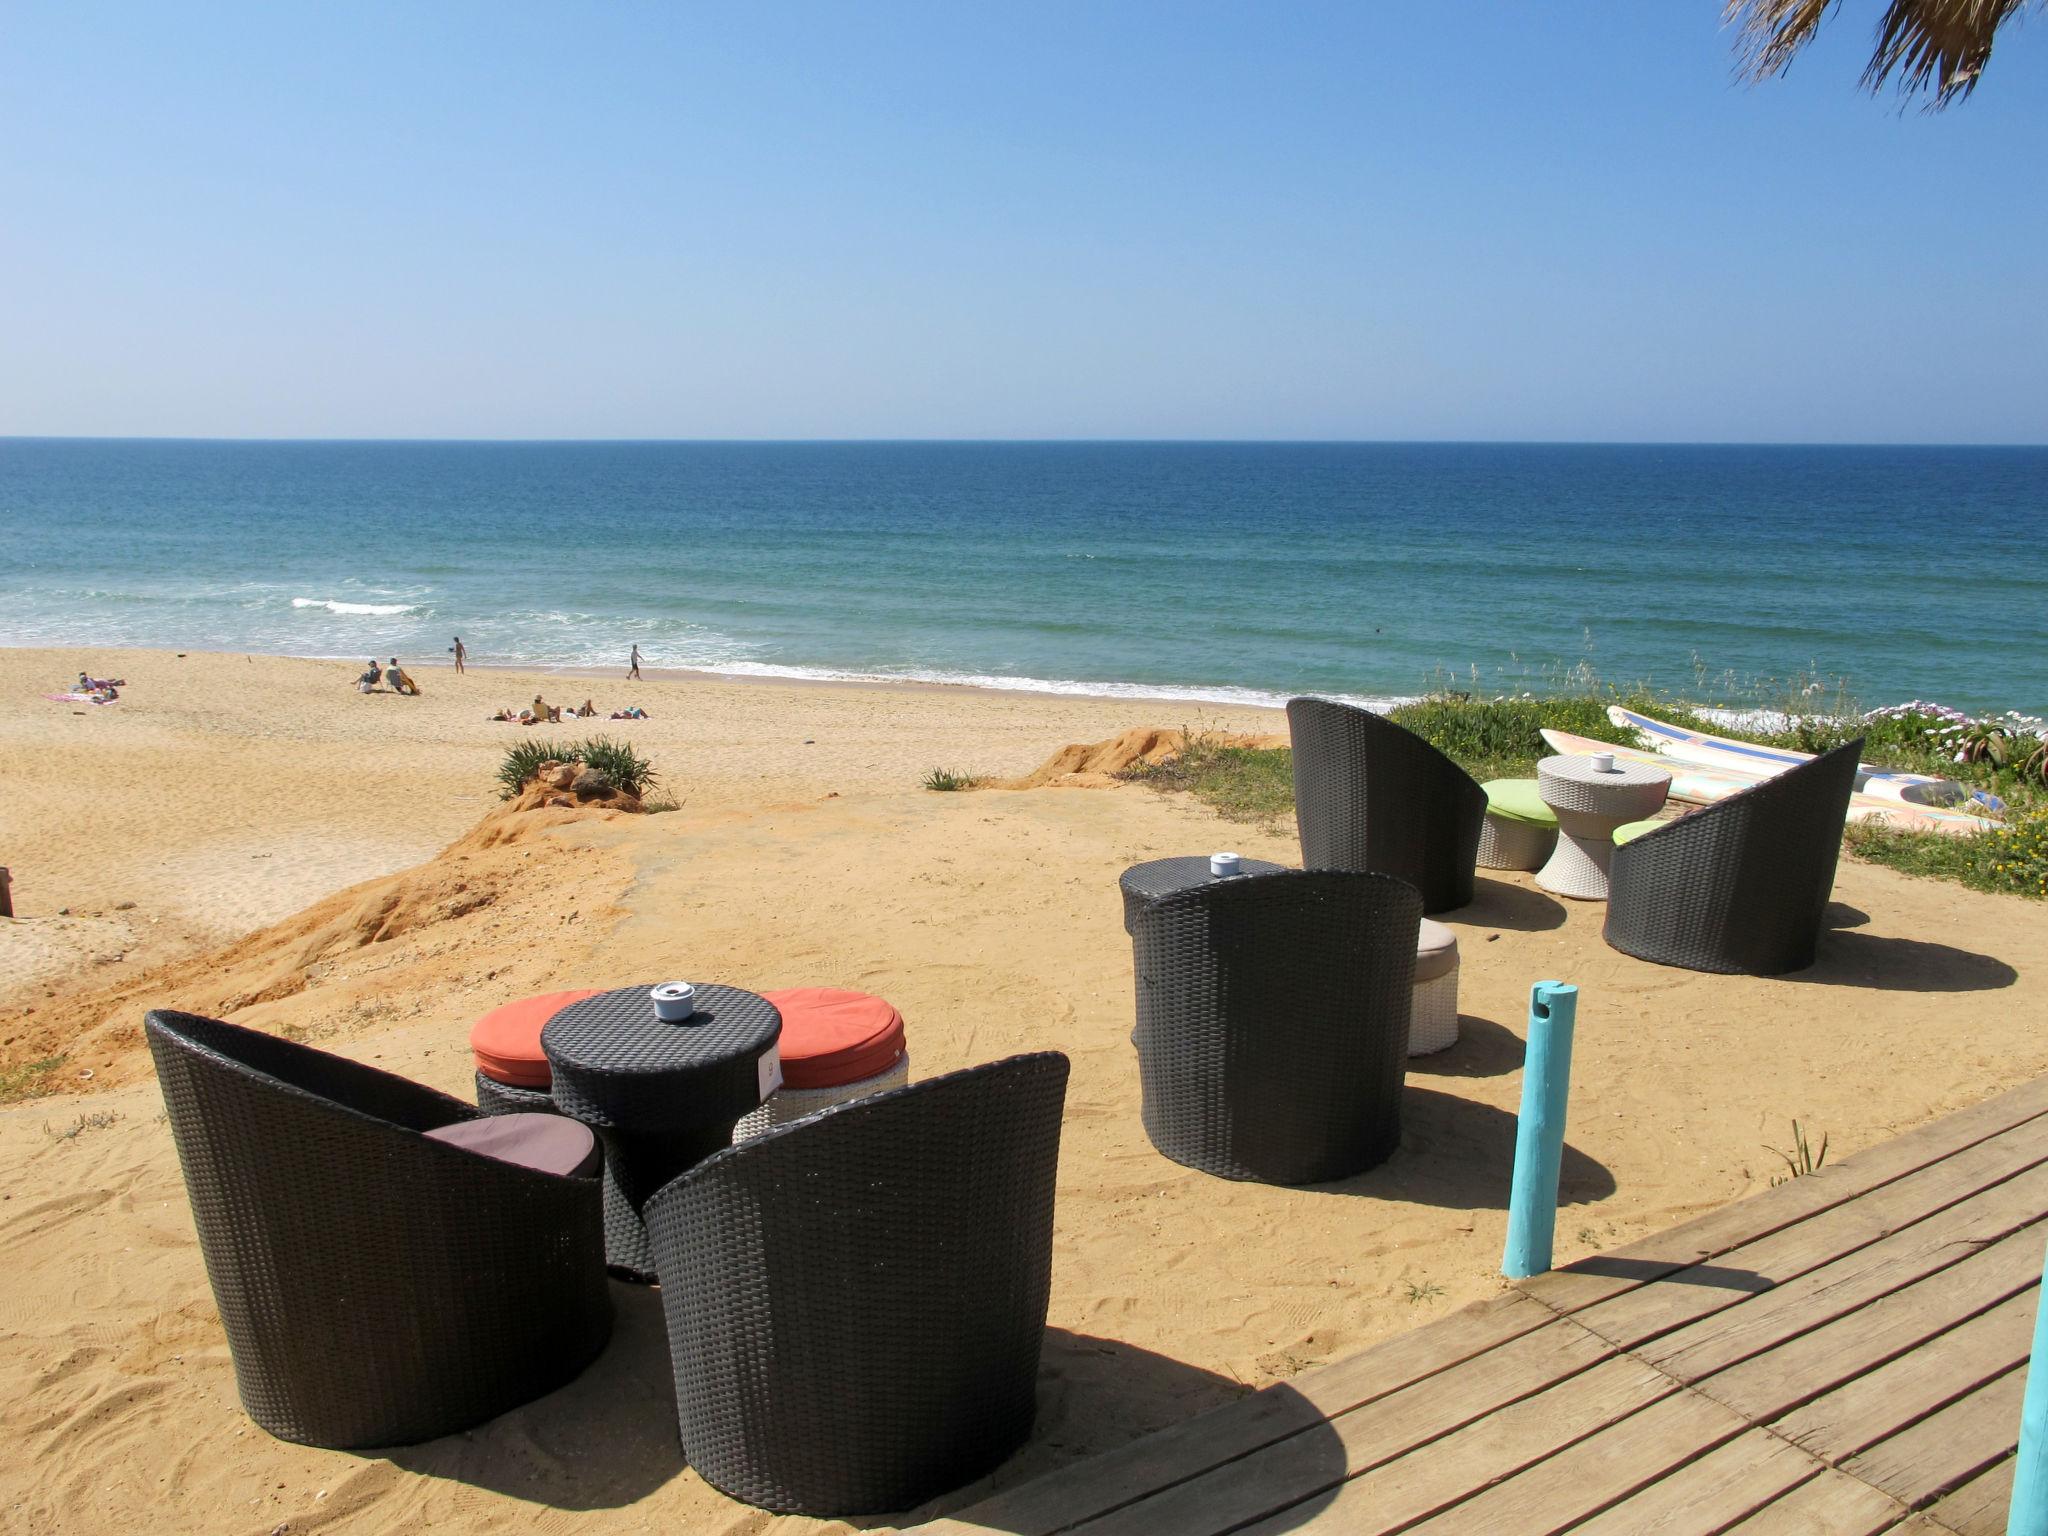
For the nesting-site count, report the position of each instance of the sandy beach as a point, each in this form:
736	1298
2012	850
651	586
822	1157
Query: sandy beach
249	837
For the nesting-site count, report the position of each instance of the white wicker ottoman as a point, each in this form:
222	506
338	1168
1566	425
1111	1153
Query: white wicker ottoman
1433	1020
836	1046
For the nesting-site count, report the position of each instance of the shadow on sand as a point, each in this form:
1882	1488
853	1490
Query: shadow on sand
1853	959
1484	1049
1496	904
1104	1394
1460	1155
604	1441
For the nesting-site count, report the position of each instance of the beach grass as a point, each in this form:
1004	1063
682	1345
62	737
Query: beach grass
950	780
1254	784
29	1080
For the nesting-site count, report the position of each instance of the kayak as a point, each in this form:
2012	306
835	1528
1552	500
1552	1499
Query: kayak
1720	751
1707	783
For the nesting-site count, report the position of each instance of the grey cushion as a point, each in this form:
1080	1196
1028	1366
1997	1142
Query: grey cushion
548	1143
1436	951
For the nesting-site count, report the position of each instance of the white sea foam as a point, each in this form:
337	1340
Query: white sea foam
1219	693
372	610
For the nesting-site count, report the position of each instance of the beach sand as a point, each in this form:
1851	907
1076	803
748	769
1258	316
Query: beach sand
278	835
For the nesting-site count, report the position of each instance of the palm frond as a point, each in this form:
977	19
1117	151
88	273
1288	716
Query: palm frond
1934	46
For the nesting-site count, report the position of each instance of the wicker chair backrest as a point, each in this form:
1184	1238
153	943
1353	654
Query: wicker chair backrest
1740	886
1273	1022
345	1248
856	1300
1370	795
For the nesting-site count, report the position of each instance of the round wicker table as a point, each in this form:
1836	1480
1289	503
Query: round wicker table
1590	803
662	1097
1168	877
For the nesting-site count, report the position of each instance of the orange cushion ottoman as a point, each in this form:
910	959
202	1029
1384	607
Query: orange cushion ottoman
836	1045
506	1041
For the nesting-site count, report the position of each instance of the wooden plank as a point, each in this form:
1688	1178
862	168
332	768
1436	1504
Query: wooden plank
1436	1476
1303	1465
1894	1397
1772	1383
1946	1449
1831	1504
1066	1497
1704	1496
1746	1221
1633	1319
1594	1473
1985	1221
1979	1507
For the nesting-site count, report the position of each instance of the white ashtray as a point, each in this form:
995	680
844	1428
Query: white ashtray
1225	864
674	1001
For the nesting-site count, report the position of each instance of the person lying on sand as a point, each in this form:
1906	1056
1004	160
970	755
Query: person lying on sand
400	680
587	711
88	684
635	713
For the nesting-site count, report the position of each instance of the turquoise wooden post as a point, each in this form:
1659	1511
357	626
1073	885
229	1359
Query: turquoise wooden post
1539	1135
2029	1513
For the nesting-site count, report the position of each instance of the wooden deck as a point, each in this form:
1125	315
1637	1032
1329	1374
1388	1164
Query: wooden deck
1844	1354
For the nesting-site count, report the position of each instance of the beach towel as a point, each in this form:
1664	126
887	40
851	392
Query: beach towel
79	698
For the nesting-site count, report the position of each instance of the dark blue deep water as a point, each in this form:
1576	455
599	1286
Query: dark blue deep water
1199	570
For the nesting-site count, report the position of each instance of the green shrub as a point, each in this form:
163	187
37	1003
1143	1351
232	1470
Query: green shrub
948	780
618	762
1502	738
2012	860
523	759
623	767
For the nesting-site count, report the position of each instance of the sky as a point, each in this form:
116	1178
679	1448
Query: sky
1497	220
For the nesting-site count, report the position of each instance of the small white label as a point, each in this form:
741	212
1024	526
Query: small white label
770	1068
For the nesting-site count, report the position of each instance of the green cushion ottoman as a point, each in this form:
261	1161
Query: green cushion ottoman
1629	831
1520	830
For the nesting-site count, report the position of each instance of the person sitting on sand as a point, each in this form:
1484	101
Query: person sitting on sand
544	712
399	680
368	682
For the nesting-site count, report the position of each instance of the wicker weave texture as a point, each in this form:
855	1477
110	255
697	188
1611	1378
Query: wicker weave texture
1740	887
1508	844
625	1236
856	1300
1164	877
1370	796
1433	1019
377	1287
789	1104
1273	1023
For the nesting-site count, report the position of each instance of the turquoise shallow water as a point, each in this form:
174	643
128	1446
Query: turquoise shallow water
1222	571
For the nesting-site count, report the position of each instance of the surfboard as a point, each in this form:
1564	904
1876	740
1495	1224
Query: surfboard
1883	783
1707	783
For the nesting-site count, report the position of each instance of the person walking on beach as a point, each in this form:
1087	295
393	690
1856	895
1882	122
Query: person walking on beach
633	671
460	653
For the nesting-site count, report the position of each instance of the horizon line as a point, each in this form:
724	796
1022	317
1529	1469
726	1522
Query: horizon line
1187	442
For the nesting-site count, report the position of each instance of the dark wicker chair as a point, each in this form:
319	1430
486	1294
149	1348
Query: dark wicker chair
378	1287
1273	1022
856	1300
1370	796
1739	887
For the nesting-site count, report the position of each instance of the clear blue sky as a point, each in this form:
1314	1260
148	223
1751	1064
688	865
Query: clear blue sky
1535	220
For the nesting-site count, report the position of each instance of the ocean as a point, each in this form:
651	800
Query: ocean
1241	572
